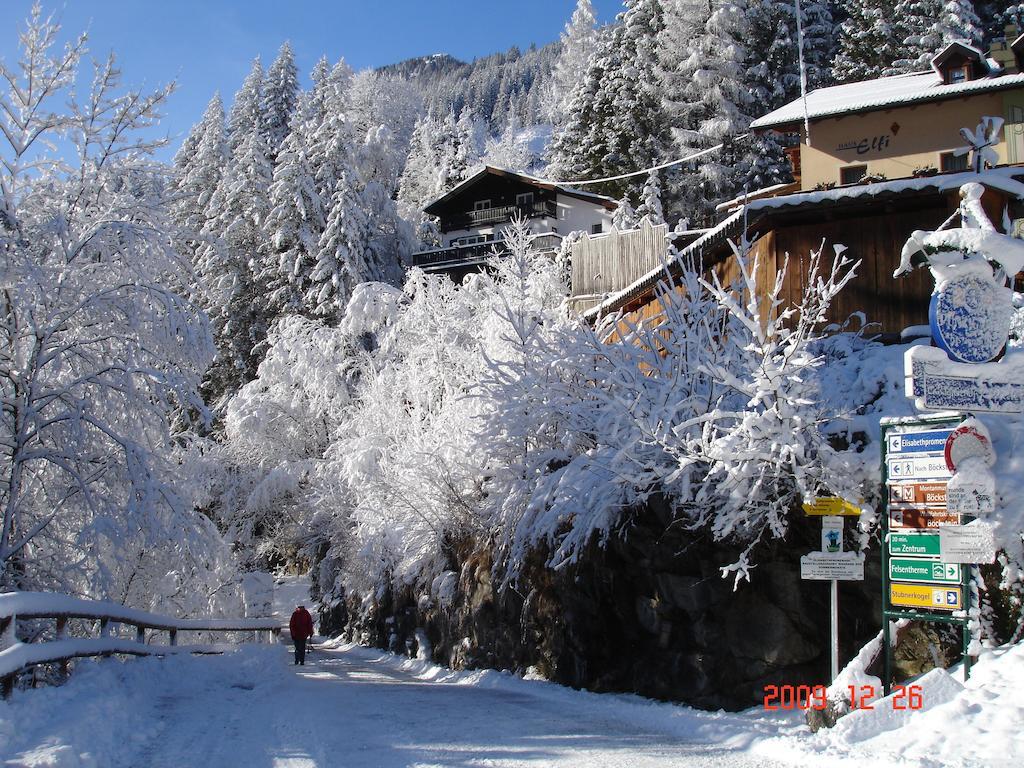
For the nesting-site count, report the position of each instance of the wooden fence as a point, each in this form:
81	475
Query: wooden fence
605	264
16	657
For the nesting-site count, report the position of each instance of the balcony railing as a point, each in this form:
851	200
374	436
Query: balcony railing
499	214
439	259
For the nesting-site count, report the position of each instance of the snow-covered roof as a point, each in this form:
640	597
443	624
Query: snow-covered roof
1004	179
603	200
881	93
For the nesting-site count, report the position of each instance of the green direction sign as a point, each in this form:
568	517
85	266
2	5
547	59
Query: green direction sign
912	569
914	544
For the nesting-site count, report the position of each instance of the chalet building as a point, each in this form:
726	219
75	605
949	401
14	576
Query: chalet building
907	125
880	163
474	216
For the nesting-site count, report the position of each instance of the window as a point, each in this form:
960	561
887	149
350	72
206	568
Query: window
472	239
852	174
525	200
951	162
957	74
481	205
596	229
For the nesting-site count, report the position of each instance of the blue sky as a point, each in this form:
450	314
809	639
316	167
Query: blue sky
208	45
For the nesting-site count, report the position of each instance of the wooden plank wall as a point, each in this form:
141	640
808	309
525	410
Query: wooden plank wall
604	264
875	239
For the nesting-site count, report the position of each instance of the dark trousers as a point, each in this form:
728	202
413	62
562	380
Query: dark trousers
300	651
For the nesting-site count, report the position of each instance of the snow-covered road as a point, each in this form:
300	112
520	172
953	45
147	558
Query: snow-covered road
356	708
351	707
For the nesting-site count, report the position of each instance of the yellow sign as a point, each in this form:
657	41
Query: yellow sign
949	598
831	505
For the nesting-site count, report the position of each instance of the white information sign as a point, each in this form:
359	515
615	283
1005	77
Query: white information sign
918	467
818	566
973	543
831	534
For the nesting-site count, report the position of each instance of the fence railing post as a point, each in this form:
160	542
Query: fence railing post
174	637
62	634
8	626
140	635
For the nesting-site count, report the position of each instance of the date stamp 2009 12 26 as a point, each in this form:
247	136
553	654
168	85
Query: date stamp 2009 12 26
803	697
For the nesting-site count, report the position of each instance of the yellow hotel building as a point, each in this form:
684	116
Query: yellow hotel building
907	125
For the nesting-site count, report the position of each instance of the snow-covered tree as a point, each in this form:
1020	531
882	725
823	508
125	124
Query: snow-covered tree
230	262
199	166
624	216
616	122
102	354
579	42
246	114
280	94
509	150
713	105
650	200
870	41
296	219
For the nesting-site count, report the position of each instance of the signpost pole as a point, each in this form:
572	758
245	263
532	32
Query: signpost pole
835	628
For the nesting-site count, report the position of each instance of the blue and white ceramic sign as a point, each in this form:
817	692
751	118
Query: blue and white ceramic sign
970	318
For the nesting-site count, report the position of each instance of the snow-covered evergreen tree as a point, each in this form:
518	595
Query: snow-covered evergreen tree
280	94
624	217
616	120
579	42
650	200
870	42
296	219
231	263
959	21
713	105
246	114
199	166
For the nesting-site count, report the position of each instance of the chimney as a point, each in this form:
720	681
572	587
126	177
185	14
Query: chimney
1007	50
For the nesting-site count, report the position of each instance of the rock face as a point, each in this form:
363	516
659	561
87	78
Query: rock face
647	613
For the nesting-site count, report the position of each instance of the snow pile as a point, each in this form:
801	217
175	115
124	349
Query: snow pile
976	723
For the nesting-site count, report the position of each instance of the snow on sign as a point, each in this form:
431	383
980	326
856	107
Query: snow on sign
940	384
946	598
969	440
819	566
973	543
970	317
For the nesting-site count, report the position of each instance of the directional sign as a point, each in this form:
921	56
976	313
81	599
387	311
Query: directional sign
912	569
918	468
923	596
826	567
917	493
974	543
906	516
932	441
914	544
830	505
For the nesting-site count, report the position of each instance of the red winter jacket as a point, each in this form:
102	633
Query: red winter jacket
301	625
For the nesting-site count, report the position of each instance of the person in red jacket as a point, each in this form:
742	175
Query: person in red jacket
301	629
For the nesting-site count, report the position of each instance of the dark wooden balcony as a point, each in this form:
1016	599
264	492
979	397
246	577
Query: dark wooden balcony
443	259
502	213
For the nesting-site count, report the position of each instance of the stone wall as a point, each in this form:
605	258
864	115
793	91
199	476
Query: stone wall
647	613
